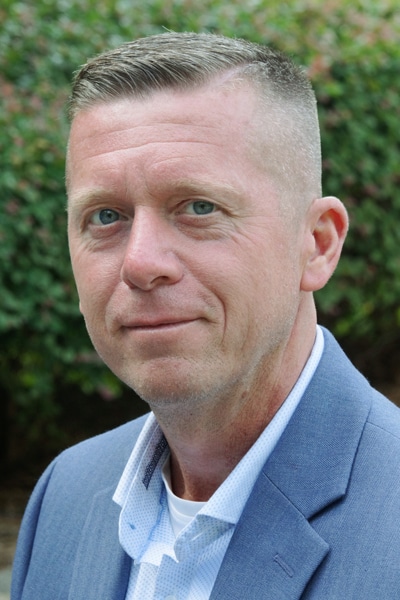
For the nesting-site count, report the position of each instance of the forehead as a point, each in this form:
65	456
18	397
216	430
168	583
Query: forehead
218	116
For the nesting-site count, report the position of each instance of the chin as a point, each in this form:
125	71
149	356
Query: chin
158	382
169	395
169	392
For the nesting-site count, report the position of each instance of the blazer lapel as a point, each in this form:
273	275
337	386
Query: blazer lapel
101	568
273	553
275	549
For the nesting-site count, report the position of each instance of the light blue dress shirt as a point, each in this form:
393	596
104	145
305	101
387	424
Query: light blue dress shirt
165	567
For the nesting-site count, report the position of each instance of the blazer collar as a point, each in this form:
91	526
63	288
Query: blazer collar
312	462
275	550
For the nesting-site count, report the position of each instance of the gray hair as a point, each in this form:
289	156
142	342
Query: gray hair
185	61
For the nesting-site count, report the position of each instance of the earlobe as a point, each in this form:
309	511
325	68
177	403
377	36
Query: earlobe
327	224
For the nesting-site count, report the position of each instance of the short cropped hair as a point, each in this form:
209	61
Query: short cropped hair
186	61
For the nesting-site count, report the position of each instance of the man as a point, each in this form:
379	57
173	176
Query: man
268	467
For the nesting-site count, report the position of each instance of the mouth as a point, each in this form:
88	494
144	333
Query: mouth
161	324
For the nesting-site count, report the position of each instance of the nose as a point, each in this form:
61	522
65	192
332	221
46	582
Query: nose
150	259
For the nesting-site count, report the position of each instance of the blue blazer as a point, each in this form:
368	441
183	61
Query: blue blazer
322	522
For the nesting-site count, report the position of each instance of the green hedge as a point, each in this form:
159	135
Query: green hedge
352	52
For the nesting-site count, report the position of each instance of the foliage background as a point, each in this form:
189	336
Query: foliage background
53	388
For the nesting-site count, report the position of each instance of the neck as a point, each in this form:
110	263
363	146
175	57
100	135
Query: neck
208	441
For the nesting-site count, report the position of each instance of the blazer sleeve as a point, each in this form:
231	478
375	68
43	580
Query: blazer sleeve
27	532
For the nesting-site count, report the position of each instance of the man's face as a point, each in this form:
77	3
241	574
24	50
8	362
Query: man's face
187	273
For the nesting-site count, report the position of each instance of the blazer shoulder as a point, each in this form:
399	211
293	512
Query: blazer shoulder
100	459
65	494
117	439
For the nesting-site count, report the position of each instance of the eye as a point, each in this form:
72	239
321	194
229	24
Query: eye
105	216
201	207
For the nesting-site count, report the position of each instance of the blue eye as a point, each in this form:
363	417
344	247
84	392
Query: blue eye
105	216
202	207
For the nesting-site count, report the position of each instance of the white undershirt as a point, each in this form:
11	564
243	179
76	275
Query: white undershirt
181	511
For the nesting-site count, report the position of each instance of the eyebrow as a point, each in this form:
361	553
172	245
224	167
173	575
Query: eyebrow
198	186
86	197
182	186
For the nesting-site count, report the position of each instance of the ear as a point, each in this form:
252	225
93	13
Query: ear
327	225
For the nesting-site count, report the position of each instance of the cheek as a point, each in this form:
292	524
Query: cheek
265	285
95	281
237	287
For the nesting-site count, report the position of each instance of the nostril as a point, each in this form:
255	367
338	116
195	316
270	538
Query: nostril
146	272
